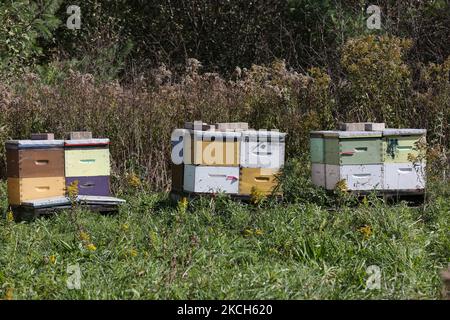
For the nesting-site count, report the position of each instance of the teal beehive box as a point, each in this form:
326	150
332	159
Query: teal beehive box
353	147
317	147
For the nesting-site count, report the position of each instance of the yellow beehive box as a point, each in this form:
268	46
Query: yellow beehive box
261	179
213	148
25	189
87	162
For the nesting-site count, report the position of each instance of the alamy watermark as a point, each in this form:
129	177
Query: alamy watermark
373	282
374	21
74	277
74	20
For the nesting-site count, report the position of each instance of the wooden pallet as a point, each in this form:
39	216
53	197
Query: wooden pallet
31	210
414	197
23	213
178	195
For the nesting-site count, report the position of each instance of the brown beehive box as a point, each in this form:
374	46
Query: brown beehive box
34	158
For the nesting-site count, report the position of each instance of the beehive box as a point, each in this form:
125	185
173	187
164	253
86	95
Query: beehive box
357	177
318	175
86	158
352	147
35	169
401	145
404	176
211	179
260	179
212	148
26	189
91	185
88	162
262	149
34	158
177	171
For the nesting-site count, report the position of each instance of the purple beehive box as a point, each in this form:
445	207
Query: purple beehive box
91	186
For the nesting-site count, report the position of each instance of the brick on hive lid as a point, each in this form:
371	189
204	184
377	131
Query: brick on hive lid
231	126
42	136
352	126
198	125
79	135
372	126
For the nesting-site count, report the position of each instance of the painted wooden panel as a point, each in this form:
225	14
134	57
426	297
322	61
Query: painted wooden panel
318	174
33	163
24	189
215	153
398	149
177	177
262	149
91	186
353	151
357	177
317	149
87	162
404	176
262	179
209	179
262	154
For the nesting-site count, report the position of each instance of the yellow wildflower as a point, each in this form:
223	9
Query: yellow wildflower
133	252
9	295
366	231
10	216
183	204
342	185
84	236
72	190
91	247
125	227
52	259
133	180
258	232
256	196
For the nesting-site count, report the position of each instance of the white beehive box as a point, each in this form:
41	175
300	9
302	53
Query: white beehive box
210	179
404	176
262	149
358	177
318	174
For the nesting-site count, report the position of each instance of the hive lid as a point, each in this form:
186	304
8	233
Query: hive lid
263	133
33	144
215	134
401	132
352	134
86	143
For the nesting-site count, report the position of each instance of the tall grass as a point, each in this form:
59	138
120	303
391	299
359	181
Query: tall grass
139	116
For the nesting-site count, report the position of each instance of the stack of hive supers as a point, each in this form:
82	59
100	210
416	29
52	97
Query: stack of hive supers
41	169
369	157
226	157
87	162
35	169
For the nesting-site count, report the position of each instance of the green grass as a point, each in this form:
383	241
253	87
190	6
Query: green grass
219	249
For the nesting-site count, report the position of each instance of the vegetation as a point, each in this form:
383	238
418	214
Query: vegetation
220	249
137	70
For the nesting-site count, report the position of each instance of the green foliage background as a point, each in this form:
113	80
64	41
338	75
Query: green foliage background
138	69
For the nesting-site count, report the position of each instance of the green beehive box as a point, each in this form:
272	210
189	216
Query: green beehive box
353	147
401	145
317	147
